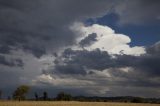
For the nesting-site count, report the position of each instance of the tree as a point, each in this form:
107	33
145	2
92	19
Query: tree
63	96
60	96
20	92
137	100
36	96
9	98
45	95
0	94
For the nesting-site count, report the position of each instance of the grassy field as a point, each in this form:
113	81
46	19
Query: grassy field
34	103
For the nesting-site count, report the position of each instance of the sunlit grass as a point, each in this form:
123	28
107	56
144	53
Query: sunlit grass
72	103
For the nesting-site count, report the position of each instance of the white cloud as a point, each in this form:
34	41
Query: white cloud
55	80
108	40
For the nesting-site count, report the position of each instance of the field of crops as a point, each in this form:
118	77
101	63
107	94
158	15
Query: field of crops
42	103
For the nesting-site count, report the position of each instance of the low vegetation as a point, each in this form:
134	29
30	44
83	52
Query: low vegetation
19	98
70	103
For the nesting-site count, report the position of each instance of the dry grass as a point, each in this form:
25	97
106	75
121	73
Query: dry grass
53	103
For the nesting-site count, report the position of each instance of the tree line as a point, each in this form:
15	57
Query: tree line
21	92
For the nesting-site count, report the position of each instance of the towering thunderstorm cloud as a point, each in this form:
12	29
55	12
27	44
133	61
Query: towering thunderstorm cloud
63	45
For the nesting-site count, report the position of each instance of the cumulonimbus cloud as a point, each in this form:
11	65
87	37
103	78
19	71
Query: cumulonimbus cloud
96	64
34	31
106	39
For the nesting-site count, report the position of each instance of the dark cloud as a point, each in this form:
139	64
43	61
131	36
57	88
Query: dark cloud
96	59
142	69
5	49
39	27
89	40
42	26
79	61
71	69
138	11
154	49
90	59
11	62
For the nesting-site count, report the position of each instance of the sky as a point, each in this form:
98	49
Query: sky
82	47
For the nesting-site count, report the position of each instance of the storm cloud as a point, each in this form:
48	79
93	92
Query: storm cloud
100	60
11	62
91	38
48	43
101	68
138	12
41	26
